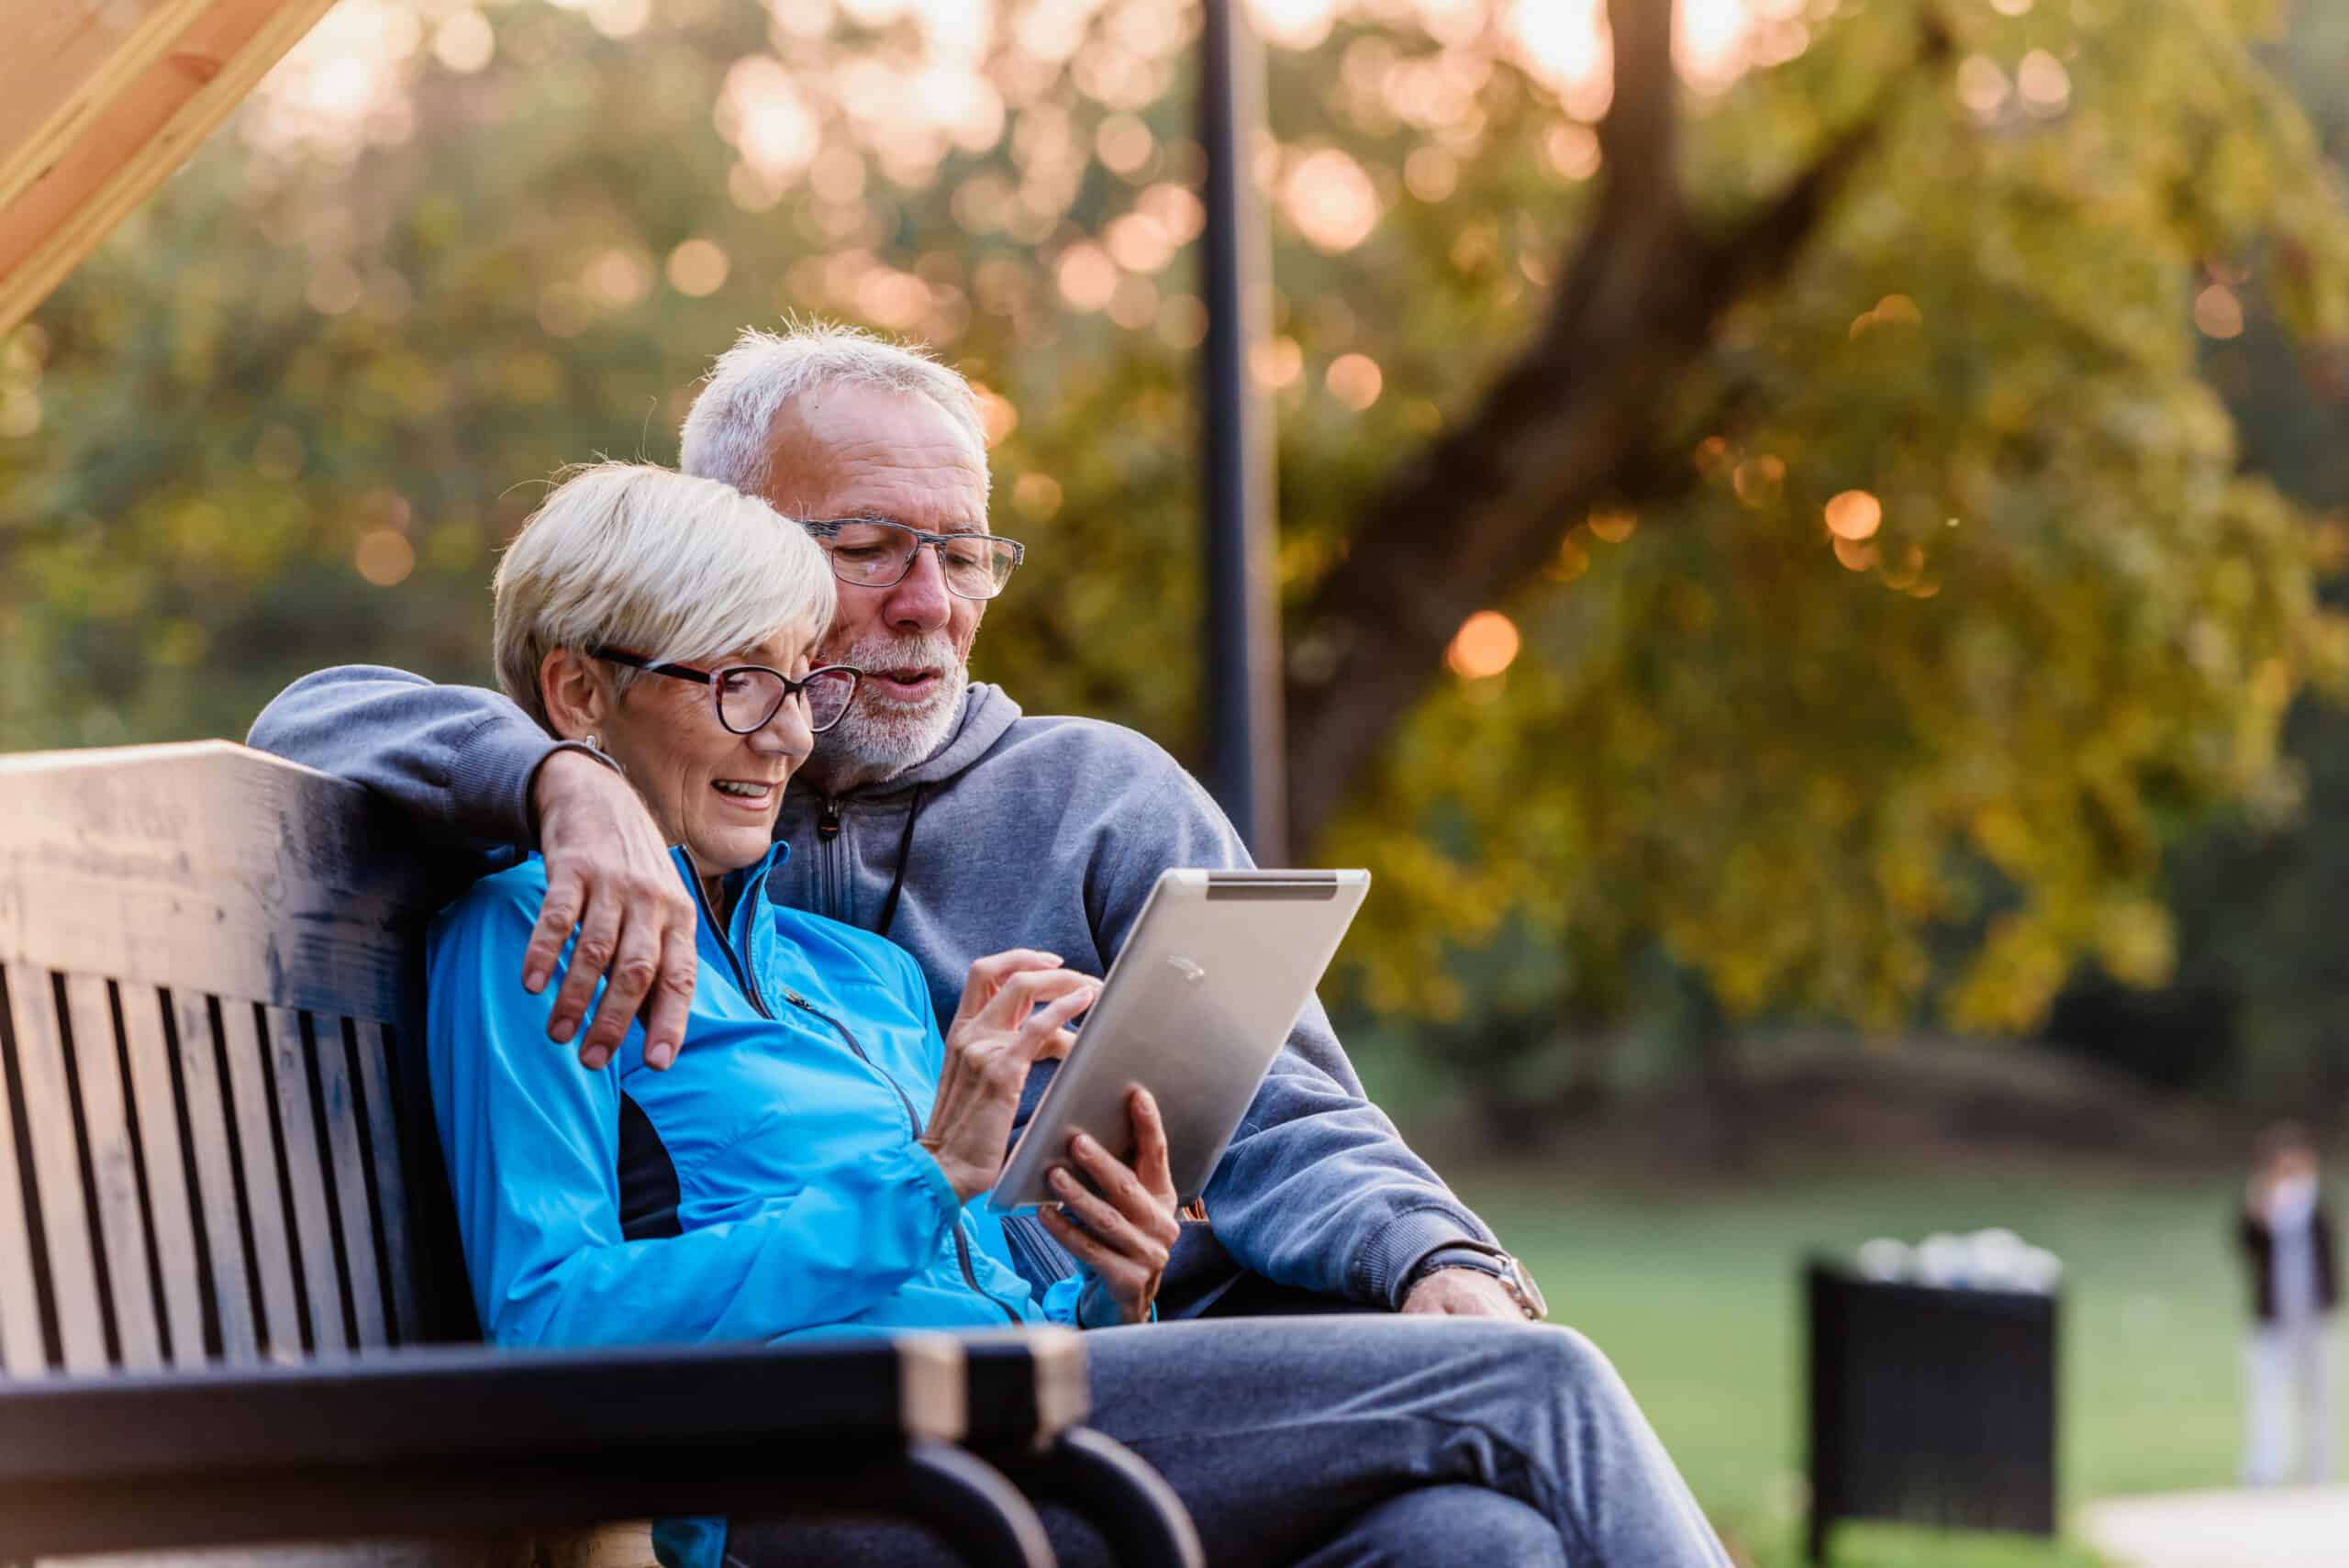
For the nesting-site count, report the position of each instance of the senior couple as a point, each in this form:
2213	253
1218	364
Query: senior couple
815	913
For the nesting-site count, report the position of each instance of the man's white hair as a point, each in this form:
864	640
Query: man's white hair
729	431
679	570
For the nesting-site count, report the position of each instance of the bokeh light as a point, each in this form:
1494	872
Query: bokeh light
1855	515
1485	644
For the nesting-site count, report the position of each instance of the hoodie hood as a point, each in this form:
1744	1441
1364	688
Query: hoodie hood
988	712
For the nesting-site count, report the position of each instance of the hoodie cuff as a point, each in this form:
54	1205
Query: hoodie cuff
1396	1248
491	775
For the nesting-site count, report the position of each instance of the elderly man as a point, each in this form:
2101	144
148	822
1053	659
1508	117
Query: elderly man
936	814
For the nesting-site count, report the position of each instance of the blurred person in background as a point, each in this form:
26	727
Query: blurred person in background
2287	1241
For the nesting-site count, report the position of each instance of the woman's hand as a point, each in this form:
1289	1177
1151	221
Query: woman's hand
1014	1009
1129	1224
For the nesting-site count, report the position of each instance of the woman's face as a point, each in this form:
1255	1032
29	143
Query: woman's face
714	792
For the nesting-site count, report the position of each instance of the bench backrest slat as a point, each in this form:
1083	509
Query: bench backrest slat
178	1258
216	1148
23	1342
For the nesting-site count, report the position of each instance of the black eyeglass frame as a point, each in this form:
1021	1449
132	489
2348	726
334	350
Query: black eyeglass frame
711	678
831	530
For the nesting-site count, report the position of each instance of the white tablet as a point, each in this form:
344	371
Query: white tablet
1211	979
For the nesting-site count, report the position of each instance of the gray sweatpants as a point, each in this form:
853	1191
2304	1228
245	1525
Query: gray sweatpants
1342	1442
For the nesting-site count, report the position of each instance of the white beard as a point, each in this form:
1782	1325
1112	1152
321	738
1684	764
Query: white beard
878	738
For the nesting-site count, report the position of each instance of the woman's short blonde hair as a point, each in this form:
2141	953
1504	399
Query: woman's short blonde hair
631	556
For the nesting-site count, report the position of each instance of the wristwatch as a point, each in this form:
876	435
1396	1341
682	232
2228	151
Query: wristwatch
1488	1259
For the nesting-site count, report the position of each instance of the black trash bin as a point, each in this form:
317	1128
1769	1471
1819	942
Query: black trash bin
1930	1406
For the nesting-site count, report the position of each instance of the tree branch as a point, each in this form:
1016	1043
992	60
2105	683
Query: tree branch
1564	428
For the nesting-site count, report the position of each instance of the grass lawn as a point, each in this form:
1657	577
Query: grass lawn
1695	1297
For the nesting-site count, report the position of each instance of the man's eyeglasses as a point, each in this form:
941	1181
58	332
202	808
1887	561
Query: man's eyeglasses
747	696
874	553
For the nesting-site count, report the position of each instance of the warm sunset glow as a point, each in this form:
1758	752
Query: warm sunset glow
1855	515
1486	645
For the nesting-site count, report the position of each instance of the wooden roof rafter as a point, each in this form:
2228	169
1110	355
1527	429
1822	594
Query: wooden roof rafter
100	101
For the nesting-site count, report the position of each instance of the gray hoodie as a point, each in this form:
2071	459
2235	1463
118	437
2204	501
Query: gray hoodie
1042	832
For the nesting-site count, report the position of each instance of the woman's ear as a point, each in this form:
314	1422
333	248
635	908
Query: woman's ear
577	696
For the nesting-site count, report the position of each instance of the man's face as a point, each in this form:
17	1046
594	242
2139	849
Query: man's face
860	451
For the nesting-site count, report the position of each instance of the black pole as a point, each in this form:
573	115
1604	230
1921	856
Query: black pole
1245	769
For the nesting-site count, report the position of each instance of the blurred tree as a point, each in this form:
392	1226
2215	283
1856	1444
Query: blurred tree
2257	1011
1905	599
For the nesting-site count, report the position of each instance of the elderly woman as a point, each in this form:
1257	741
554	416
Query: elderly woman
814	1164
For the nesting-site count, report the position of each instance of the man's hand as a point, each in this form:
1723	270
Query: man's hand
1463	1292
611	878
1128	1228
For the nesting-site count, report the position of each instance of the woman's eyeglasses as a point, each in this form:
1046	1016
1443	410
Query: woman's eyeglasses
873	554
747	696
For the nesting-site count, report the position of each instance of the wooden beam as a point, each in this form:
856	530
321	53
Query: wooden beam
94	148
72	60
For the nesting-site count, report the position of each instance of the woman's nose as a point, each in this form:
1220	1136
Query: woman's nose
787	733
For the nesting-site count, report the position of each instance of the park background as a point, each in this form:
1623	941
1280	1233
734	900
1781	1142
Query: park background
1906	790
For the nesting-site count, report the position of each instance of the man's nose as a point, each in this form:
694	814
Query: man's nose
920	602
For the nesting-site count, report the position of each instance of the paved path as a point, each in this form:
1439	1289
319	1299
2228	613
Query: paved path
2283	1526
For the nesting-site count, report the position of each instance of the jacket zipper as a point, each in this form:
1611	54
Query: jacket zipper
741	970
962	1247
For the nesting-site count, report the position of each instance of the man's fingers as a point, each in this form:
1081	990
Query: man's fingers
598	941
1150	1144
635	964
558	918
673	998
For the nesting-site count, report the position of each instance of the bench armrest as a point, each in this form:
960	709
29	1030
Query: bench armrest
470	1438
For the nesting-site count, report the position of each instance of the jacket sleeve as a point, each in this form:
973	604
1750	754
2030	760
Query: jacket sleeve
456	760
531	1144
1317	1189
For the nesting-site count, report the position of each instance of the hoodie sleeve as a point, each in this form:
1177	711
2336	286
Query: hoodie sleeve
1318	1189
531	1144
456	760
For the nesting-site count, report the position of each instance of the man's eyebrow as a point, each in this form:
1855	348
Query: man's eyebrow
958	526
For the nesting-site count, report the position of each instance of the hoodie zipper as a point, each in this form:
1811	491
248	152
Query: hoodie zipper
828	838
962	1247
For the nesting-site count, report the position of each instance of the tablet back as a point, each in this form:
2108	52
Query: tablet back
1211	980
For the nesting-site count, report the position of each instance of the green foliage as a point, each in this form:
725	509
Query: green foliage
1942	766
1802	771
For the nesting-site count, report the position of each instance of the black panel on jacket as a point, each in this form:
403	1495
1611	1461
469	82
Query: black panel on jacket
649	1194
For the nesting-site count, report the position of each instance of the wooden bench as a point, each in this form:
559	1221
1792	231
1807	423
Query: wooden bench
231	1307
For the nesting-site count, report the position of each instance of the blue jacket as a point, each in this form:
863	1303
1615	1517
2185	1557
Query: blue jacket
767	1186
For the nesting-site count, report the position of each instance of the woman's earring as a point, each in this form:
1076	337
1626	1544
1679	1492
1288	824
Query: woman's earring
595	742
